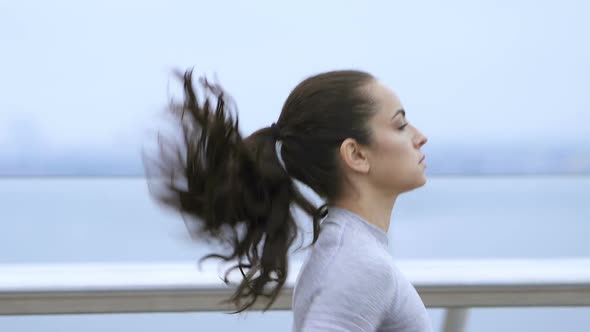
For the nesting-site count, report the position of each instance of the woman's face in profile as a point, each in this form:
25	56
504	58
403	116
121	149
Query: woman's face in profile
396	162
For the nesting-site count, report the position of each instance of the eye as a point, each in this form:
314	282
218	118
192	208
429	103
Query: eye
403	126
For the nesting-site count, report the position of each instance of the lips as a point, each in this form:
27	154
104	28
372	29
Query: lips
422	159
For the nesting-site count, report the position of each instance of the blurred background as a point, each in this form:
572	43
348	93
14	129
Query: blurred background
499	87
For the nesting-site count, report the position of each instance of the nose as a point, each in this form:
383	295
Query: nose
420	139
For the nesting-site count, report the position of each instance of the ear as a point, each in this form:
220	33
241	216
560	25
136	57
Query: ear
354	156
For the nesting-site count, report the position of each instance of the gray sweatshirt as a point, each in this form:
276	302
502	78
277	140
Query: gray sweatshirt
349	282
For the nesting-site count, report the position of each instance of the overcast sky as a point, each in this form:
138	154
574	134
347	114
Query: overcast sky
96	73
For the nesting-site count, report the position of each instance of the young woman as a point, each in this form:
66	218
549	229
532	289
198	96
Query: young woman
345	135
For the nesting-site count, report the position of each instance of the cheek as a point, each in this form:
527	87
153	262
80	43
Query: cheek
394	147
397	165
396	158
390	155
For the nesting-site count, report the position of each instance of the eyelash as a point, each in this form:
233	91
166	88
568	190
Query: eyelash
404	126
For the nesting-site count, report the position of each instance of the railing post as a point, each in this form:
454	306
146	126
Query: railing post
455	320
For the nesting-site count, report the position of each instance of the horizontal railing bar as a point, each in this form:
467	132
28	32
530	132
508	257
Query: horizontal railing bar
177	287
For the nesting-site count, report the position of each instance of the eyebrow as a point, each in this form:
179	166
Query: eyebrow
401	110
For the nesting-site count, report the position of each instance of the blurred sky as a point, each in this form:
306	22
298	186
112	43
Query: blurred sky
95	74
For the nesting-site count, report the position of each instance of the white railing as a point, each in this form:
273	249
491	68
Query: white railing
457	285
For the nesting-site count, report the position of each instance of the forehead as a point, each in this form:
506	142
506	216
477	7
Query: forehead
386	101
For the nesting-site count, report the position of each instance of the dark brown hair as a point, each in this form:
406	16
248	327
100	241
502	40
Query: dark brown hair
235	189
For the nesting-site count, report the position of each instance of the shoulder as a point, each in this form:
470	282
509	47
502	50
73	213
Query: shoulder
346	257
359	276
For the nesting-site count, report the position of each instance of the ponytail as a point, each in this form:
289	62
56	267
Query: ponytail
233	189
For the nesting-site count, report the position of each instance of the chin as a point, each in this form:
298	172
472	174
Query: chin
424	180
421	181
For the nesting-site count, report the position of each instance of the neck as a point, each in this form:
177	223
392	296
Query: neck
374	209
